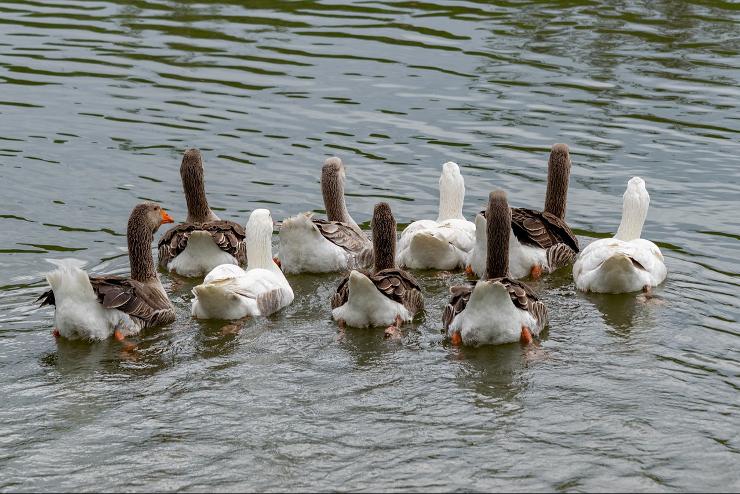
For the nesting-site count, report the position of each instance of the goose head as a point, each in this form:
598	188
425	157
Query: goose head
193	184
144	220
558	177
451	192
259	240
384	237
636	201
498	229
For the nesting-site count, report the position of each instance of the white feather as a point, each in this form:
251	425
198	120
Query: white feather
200	256
303	249
366	306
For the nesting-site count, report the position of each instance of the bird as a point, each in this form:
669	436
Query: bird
96	307
203	241
496	309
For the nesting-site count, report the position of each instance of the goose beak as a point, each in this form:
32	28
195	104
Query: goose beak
166	218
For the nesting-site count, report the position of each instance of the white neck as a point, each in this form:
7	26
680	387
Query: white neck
634	210
451	193
481	233
258	240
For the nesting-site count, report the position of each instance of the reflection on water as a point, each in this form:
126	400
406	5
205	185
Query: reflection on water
99	99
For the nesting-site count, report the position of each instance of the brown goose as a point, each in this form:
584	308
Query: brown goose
95	307
387	296
204	241
310	245
497	309
542	240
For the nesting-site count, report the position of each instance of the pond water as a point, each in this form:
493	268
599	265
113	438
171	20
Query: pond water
98	100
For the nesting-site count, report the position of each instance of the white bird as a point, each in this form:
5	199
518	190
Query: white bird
626	262
204	241
444	243
497	309
96	307
388	295
542	241
229	292
311	245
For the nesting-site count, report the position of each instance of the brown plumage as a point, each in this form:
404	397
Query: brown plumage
227	235
141	296
499	223
391	281
521	295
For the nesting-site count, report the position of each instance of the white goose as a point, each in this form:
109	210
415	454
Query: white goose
96	307
626	262
496	309
445	243
312	245
204	241
542	241
388	295
229	292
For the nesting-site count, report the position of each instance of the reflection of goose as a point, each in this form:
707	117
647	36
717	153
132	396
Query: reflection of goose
204	241
96	307
388	295
441	244
229	292
311	245
625	263
542	240
497	309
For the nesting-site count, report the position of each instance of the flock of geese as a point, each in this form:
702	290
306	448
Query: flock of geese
503	245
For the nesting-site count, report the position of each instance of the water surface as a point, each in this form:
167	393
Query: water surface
98	100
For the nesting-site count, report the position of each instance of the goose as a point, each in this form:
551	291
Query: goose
445	243
386	296
497	309
204	241
626	262
542	241
229	292
96	307
312	245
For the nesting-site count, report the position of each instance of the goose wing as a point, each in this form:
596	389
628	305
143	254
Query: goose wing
227	235
342	235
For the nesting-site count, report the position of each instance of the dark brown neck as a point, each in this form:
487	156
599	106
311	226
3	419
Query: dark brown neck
498	229
384	237
332	189
140	236
193	183
558	176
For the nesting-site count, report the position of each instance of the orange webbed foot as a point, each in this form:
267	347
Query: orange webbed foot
469	270
394	330
526	337
56	334
456	339
536	271
277	261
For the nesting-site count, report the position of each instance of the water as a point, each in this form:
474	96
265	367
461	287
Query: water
99	99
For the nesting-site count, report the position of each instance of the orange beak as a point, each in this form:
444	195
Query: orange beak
166	218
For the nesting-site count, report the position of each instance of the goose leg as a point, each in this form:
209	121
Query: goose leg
526	337
456	339
127	346
469	270
394	330
56	334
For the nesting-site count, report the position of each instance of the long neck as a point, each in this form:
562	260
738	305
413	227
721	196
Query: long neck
558	176
498	226
140	258
384	245
634	212
195	195
259	249
332	188
451	197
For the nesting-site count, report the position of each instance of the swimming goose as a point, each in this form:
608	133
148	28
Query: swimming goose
388	295
445	243
626	262
204	241
542	240
229	292
497	309
312	245
96	307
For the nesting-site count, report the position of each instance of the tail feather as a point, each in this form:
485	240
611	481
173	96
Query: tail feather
67	281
